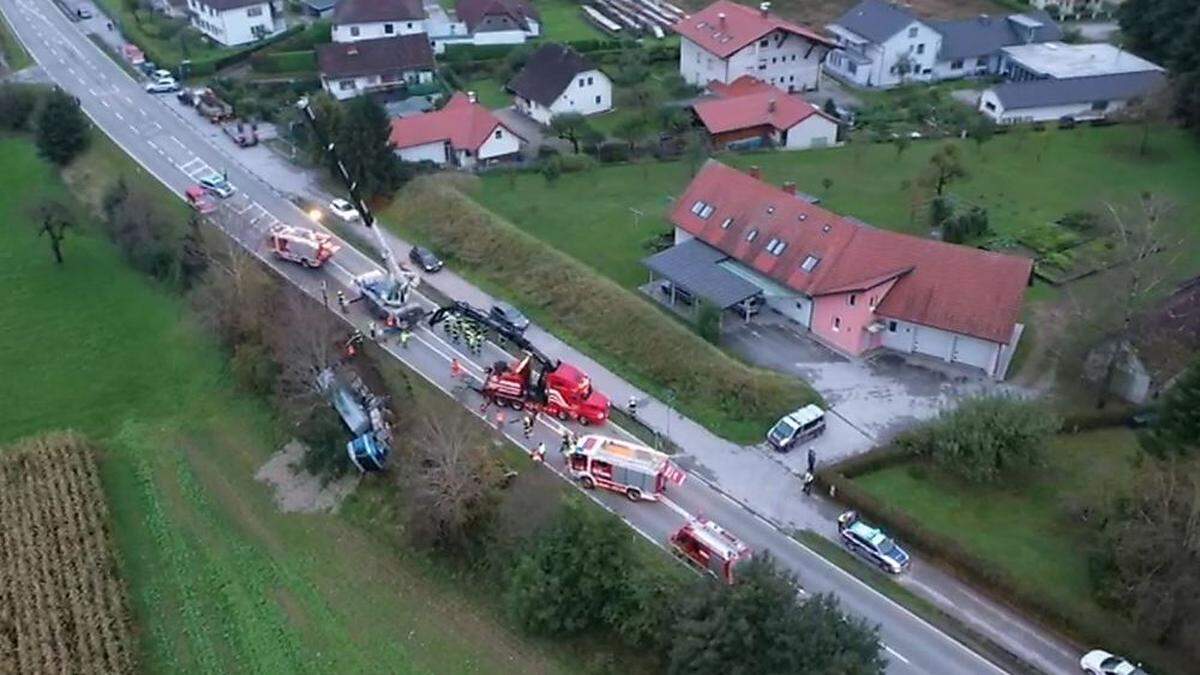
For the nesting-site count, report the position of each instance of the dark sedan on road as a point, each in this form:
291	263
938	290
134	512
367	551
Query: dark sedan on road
425	259
509	316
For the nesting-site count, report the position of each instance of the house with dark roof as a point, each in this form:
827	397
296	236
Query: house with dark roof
882	44
235	22
1052	81
726	40
556	80
499	21
462	134
740	241
750	113
349	69
355	20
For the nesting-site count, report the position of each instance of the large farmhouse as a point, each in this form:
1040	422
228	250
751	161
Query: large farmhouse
856	288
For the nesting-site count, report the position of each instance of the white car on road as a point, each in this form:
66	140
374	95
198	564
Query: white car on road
1100	662
344	210
217	185
162	85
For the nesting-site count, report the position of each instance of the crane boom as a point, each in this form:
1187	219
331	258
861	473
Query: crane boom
403	280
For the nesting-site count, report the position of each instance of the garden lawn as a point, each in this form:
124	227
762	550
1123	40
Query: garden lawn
1027	531
489	92
219	579
1080	168
158	37
562	21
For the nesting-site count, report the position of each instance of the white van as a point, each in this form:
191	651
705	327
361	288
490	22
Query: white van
801	425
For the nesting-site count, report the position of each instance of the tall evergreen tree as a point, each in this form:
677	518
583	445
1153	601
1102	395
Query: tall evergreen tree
366	150
1168	32
62	130
1177	430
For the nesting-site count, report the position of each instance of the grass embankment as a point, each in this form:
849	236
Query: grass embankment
220	580
14	52
589	215
621	330
164	40
1031	533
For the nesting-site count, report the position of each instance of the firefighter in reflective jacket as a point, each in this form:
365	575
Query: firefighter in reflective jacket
453	328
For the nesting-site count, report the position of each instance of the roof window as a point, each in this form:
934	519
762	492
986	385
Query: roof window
827	227
752	234
803	216
770	209
810	263
776	246
703	209
725	225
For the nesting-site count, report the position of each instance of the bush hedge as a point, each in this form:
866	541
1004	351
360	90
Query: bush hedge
284	62
625	332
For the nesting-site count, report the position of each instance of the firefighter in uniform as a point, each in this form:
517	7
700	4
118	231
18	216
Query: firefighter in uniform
341	299
451	328
539	453
476	341
527	423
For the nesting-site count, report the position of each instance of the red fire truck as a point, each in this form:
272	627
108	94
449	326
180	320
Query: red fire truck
634	470
709	547
533	382
307	247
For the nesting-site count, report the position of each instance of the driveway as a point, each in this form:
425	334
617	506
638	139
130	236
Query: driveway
877	396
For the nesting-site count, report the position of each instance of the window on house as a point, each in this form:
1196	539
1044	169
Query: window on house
852	67
752	234
590	80
254	11
810	263
837	323
762	66
981	62
956	65
852	299
346	84
408	25
762	43
582	82
1100	105
707	212
891	326
912	32
725	225
499	134
597	100
354	31
774	59
921	48
388	28
698	207
989	105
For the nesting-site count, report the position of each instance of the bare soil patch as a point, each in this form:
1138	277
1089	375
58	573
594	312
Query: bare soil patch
297	490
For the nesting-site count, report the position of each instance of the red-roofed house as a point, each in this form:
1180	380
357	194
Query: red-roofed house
749	113
857	288
726	40
462	134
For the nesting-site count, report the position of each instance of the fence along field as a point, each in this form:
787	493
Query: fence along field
62	606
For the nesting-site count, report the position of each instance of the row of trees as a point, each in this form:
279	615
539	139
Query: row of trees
1168	32
61	131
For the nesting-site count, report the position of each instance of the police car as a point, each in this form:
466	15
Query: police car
871	543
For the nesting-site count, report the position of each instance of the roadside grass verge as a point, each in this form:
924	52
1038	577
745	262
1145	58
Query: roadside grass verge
1028	544
108	50
14	52
914	603
591	215
622	331
220	580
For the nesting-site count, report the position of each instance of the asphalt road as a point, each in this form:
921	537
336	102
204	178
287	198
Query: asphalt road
151	130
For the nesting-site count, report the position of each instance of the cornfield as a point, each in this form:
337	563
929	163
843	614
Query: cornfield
62	607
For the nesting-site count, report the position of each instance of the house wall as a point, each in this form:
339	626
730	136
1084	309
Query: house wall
682	235
235	26
589	93
844	325
783	59
990	105
971	67
723	139
798	308
911	338
353	32
500	37
907	41
435	152
698	66
345	88
500	143
816	131
534	110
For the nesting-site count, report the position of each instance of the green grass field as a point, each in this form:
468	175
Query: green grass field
562	21
1027	531
1081	168
489	92
220	580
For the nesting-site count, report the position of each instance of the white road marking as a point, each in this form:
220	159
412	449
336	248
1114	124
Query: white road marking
118	115
104	103
894	653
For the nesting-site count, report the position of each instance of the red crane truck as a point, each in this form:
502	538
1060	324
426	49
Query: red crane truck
534	382
709	547
636	471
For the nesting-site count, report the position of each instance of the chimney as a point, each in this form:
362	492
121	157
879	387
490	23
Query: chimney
771	106
471	96
721	20
789	187
763	8
755	172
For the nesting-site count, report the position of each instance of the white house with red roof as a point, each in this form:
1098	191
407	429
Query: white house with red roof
463	134
750	113
855	287
725	41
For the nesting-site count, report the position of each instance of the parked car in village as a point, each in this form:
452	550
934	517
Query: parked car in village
681	296
795	427
163	85
872	544
344	210
197	198
1100	662
217	185
84	11
425	259
507	314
